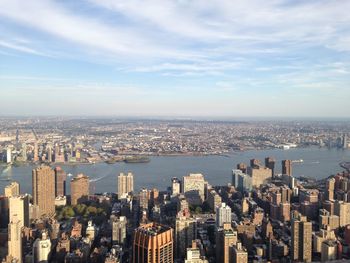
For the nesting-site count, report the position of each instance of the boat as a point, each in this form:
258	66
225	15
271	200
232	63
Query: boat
137	159
298	161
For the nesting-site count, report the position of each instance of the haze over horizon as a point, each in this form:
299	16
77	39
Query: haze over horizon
175	58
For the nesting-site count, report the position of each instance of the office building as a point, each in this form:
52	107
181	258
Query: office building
118	225
143	199
79	187
125	184
214	200
287	167
239	253
193	188
43	184
12	189
153	243
60	182
185	232
241	181
42	249
301	238
223	215
329	250
242	167
342	209
19	208
15	240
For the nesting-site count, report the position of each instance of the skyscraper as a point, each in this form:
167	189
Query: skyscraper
8	155
19	208
239	254
153	243
301	239
12	189
15	240
225	239
223	215
125	184
193	188
287	167
60	182
119	225
185	232
36	152
270	163
49	154
175	186
43	183
79	187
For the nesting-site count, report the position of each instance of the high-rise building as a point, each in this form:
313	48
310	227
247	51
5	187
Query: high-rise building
153	243
239	254
118	225
19	208
12	189
175	186
345	142
223	215
329	250
24	152
79	187
36	152
193	188
342	209
214	200
255	163
330	187
287	167
60	182
185	232
8	155
143	199
225	239
270	163
15	240
301	239
242	167
193	255
125	184
49	154
41	249
241	181
43	183
260	175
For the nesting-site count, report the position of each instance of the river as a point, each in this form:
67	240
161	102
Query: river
318	163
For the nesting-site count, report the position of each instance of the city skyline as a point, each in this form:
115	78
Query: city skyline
175	58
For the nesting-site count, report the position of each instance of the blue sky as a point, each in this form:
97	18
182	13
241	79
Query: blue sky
175	58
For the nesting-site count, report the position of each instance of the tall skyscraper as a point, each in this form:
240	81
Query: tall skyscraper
43	183
12	189
223	215
118	225
153	243
270	163
79	188
24	152
36	152
143	199
8	155
125	184
225	239
287	167
301	239
185	232
49	154
193	188
175	186
19	208
60	182
15	240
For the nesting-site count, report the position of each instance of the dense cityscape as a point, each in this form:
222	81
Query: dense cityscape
258	216
69	140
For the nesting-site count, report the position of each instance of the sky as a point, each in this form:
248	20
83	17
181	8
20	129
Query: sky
212	58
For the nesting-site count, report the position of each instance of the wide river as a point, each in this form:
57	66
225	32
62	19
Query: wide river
318	163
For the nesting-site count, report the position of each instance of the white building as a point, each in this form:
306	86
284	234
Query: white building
223	215
41	249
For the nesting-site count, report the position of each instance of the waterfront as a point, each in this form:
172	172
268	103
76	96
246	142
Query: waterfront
318	163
